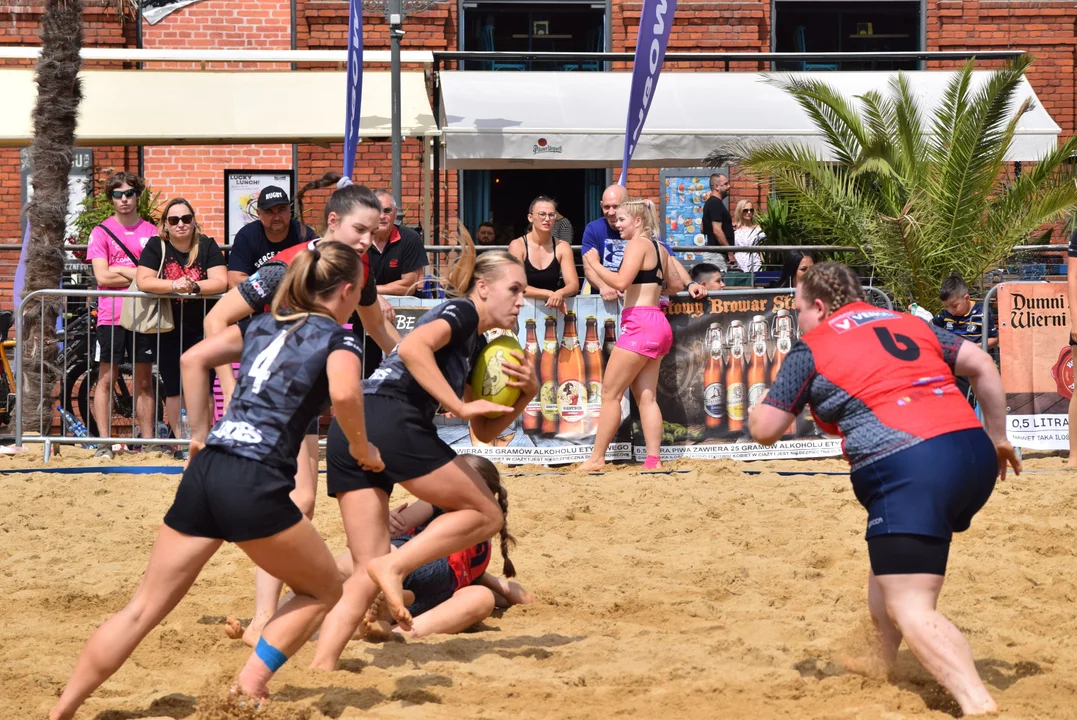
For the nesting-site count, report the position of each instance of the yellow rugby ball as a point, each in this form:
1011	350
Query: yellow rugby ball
488	380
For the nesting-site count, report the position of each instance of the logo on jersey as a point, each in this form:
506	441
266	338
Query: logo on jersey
256	284
395	262
857	318
239	432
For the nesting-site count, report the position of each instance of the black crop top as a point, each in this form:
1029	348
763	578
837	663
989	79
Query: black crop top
549	277
654	275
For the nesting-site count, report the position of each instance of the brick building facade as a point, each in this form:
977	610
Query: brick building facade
1046	28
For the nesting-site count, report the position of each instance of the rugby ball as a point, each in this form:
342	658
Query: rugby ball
488	380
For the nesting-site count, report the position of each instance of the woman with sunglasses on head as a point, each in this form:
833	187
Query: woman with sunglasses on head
747	233
193	264
431	368
293	363
351	217
549	264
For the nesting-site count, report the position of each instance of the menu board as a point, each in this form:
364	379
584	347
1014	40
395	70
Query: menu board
684	190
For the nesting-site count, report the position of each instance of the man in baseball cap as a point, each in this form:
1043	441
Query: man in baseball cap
257	242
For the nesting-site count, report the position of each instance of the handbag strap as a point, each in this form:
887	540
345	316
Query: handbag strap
123	247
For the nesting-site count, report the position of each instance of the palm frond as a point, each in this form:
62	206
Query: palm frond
834	115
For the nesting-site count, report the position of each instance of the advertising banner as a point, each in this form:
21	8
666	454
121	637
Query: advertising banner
655	21
726	352
1037	363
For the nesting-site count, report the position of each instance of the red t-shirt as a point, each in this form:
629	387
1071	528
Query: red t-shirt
881	380
469	565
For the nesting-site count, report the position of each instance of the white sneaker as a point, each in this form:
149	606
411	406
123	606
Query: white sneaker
103	452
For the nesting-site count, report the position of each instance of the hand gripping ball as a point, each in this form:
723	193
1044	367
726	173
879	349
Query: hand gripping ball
488	381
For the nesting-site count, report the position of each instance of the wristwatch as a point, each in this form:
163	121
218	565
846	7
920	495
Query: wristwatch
197	289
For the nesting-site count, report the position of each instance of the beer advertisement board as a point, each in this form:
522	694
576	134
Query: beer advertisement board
727	350
1037	363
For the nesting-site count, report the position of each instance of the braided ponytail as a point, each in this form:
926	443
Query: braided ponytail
833	283
490	474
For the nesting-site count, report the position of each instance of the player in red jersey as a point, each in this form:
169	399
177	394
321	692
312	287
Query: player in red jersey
351	217
922	465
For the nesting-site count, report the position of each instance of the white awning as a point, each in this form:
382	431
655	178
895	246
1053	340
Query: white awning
157	107
496	120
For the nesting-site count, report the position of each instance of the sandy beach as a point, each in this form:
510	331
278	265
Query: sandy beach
720	589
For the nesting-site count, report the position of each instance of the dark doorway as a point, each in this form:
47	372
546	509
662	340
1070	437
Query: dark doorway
511	193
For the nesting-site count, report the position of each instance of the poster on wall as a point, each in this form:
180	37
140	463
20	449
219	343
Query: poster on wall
727	350
684	191
1037	363
241	188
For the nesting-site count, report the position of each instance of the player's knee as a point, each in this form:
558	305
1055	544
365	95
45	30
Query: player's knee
304	500
331	592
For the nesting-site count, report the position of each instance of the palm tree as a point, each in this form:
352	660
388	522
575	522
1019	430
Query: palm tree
55	114
920	196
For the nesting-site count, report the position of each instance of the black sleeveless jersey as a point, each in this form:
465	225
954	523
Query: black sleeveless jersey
282	387
393	379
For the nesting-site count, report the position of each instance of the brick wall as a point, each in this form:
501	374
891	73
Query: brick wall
1047	28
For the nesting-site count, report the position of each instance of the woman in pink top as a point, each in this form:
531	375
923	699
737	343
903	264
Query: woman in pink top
115	246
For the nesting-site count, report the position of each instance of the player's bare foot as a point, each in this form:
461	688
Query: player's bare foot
1071	463
253	679
57	714
233	628
592	465
391	582
377	624
254	630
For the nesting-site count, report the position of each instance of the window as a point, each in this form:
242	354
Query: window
528	27
846	27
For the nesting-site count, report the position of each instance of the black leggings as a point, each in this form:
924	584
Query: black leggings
897	554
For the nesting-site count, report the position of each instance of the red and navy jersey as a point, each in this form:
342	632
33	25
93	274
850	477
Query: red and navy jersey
469	565
259	288
881	380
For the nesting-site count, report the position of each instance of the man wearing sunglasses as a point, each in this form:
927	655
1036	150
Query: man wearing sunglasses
257	243
114	249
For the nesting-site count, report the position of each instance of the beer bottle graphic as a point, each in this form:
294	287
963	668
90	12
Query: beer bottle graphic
783	333
713	378
609	340
571	392
548	375
533	412
592	370
758	364
735	406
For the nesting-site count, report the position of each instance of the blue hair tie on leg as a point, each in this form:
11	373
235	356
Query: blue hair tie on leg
271	656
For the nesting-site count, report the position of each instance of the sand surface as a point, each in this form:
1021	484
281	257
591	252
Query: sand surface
708	593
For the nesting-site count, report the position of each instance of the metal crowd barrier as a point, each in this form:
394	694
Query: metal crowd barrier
84	372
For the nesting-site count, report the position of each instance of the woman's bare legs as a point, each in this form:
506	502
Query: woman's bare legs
644	388
299	557
471	516
939	646
621	370
366	522
266	587
175	561
466	607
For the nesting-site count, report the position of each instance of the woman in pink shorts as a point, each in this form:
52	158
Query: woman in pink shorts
645	332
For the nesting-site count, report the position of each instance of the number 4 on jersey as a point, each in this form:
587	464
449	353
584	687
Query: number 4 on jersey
261	368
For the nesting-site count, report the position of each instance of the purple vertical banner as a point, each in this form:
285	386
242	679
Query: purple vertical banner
355	85
20	271
654	24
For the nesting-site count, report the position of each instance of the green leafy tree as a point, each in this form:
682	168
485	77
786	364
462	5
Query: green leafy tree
921	194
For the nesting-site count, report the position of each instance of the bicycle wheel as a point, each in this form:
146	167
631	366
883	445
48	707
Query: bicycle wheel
82	385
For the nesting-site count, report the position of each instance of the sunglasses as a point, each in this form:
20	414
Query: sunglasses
175	220
117	194
387	211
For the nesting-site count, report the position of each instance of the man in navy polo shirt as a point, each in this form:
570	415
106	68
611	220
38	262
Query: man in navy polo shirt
257	243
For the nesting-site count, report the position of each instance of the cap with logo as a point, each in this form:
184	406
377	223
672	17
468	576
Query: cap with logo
271	196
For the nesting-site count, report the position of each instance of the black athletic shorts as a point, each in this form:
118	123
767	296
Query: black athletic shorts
900	554
433	583
232	498
408	443
116	345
